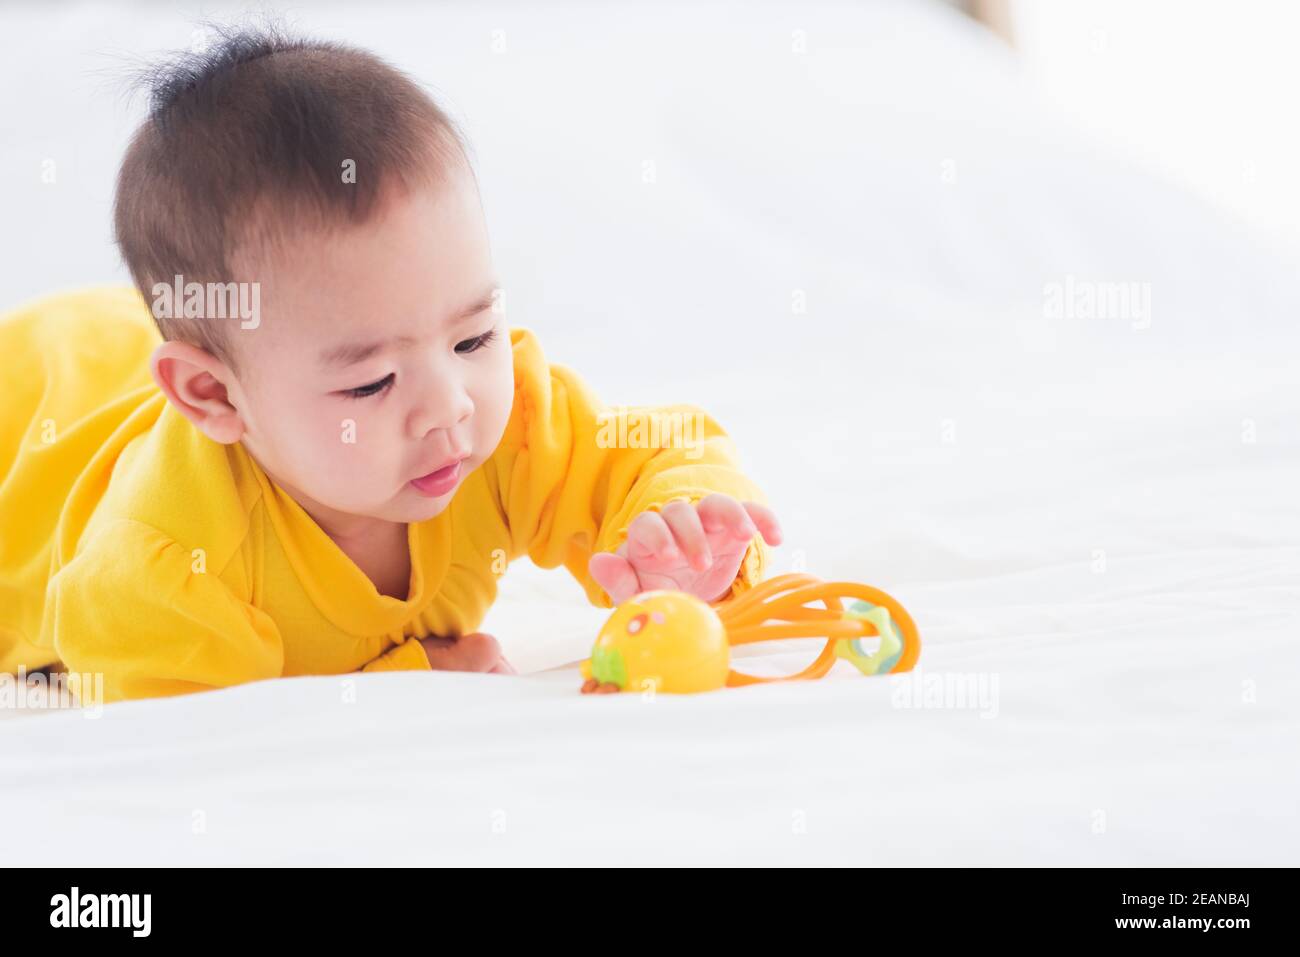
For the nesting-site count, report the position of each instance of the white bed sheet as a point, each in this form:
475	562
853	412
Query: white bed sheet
1094	519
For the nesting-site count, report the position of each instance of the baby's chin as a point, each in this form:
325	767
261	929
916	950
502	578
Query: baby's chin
410	506
405	513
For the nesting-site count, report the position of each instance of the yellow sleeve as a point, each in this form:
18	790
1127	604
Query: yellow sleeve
572	473
408	656
143	612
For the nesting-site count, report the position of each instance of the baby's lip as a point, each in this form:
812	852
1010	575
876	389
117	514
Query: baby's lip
440	481
445	466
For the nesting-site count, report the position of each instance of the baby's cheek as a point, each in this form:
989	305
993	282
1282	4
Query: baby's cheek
333	456
350	449
494	408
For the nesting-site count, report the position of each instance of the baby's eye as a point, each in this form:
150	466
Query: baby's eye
372	389
475	344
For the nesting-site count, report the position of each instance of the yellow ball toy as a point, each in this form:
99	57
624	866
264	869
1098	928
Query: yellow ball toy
673	642
668	640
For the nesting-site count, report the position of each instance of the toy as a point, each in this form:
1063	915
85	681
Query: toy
674	642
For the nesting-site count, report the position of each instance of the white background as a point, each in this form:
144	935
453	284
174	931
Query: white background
1098	515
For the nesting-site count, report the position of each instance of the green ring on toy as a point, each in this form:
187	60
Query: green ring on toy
891	642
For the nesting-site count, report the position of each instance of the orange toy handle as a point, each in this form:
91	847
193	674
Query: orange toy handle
784	598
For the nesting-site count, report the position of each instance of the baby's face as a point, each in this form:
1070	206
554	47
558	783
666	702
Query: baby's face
381	355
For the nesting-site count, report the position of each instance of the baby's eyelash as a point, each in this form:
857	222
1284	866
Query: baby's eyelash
478	342
373	388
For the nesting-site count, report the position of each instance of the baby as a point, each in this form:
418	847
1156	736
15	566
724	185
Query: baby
337	445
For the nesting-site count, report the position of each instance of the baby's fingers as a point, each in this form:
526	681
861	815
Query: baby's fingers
722	513
615	574
684	521
477	651
764	519
649	537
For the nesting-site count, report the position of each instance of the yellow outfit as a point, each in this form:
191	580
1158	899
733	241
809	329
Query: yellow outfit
133	546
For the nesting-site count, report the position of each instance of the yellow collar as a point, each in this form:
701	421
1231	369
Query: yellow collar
333	582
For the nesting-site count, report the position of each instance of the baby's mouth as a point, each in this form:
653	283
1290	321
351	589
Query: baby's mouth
439	482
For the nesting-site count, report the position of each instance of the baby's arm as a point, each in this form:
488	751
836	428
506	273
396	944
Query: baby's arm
137	614
592	487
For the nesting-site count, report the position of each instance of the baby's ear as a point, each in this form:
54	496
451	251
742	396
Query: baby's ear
194	381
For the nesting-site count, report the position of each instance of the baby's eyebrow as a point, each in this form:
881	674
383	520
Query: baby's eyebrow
485	301
350	353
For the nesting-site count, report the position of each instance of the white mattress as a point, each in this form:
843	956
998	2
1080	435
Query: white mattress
1094	522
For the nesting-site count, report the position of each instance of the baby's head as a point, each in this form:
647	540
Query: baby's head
362	345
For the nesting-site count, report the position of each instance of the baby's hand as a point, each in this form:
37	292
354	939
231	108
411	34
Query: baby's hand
691	548
477	651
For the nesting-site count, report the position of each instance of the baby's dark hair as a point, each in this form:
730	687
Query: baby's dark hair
253	137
